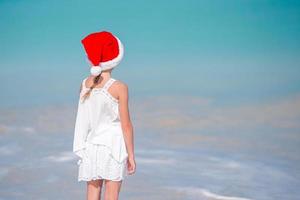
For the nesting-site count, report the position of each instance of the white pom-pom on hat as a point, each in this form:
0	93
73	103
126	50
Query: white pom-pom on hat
95	70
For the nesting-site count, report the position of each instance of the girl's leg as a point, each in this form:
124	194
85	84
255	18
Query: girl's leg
112	189
94	189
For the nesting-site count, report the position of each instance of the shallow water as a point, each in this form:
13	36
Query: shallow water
180	154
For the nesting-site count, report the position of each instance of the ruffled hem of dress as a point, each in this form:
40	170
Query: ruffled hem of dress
99	177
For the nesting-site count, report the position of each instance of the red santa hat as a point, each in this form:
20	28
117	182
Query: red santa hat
104	51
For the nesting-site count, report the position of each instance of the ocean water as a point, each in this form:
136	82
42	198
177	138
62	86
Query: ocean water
188	149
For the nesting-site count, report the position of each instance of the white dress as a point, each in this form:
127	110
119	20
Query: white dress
98	136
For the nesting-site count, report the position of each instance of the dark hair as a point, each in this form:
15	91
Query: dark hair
95	82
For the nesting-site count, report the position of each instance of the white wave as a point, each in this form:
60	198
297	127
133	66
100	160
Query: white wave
8	150
204	193
225	162
3	171
233	164
7	128
155	160
155	152
64	156
28	129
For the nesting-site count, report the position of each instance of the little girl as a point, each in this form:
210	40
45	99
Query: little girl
103	136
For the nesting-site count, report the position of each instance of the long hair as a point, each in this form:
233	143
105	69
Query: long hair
95	82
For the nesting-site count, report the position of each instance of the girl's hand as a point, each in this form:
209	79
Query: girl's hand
131	166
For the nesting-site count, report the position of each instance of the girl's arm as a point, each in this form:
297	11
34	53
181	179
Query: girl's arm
125	120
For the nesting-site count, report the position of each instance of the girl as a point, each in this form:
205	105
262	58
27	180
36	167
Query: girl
103	136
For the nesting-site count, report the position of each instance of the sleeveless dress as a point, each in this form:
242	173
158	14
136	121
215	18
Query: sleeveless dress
98	136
